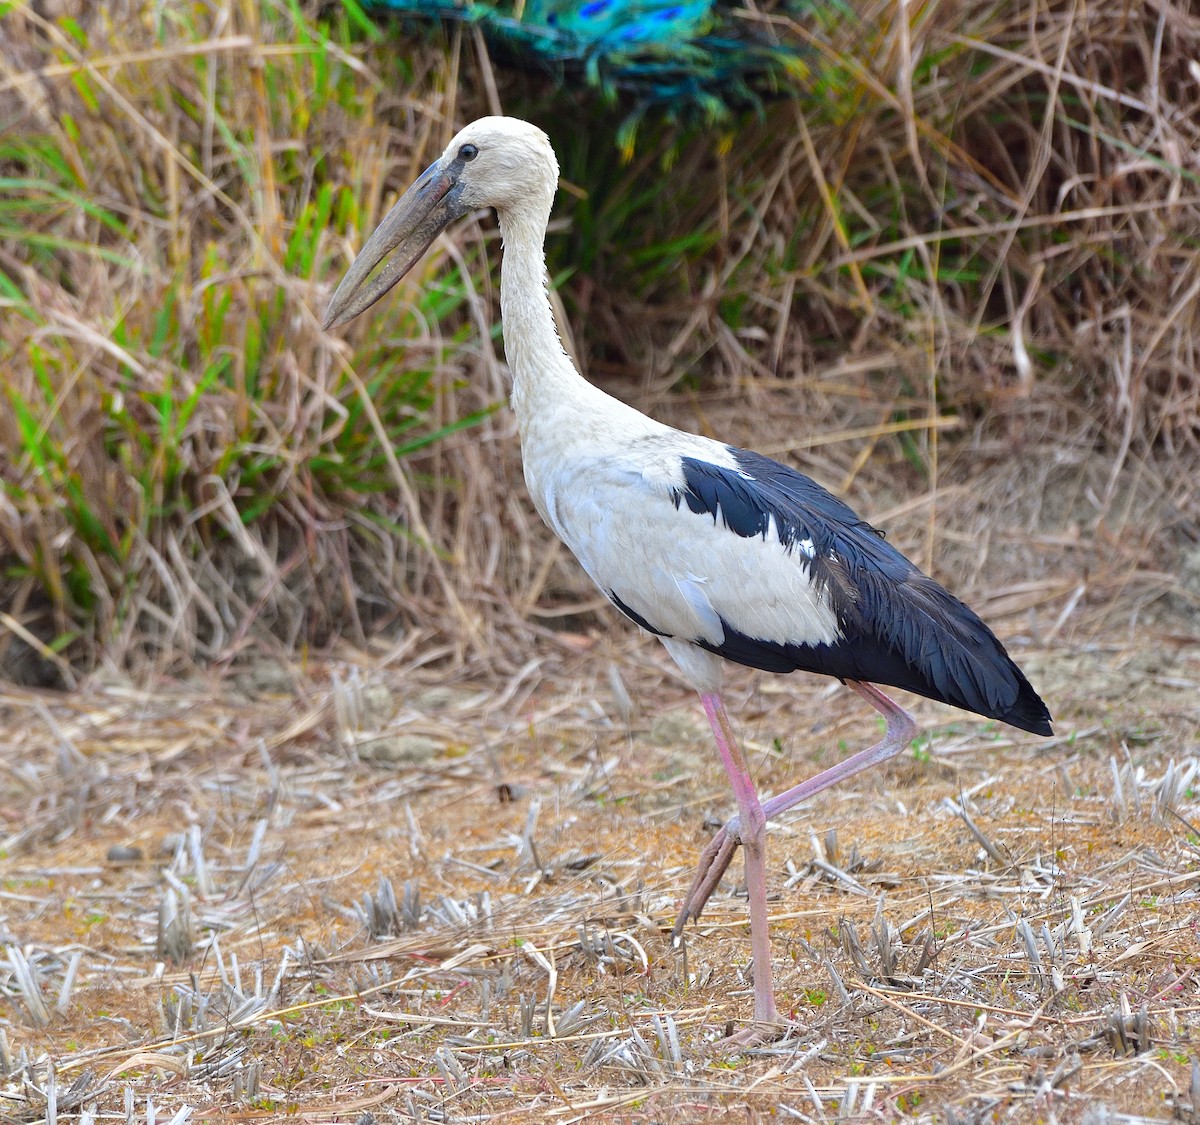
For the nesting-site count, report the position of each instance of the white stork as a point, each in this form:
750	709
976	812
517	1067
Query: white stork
721	553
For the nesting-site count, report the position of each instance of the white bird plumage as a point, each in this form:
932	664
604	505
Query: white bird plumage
722	553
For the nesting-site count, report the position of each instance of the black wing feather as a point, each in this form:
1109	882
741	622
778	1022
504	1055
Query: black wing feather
898	626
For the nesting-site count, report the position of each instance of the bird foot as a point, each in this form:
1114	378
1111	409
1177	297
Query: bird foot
756	1034
714	861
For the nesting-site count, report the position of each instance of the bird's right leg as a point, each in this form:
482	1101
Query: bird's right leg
753	835
717	854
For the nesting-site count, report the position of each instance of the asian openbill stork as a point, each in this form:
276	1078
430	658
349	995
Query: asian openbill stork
721	553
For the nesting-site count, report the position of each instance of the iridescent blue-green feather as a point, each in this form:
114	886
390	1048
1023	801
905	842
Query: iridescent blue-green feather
684	55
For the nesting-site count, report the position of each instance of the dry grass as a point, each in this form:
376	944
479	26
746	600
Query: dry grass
982	215
379	893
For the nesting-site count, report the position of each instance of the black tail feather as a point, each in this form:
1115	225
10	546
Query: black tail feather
898	627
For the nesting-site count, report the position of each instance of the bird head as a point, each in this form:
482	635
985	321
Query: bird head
498	162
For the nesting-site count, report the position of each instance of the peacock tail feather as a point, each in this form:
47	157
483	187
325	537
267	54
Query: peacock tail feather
688	57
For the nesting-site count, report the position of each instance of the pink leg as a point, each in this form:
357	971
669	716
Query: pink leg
752	832
716	856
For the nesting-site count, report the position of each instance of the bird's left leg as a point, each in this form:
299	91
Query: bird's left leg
752	834
717	854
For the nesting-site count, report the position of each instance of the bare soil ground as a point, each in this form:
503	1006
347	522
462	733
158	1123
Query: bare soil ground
356	889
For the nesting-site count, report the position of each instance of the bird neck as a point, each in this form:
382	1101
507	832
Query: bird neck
540	367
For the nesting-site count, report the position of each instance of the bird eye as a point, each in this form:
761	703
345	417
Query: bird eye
468	152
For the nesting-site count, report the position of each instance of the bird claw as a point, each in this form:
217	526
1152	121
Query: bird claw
757	1034
714	861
